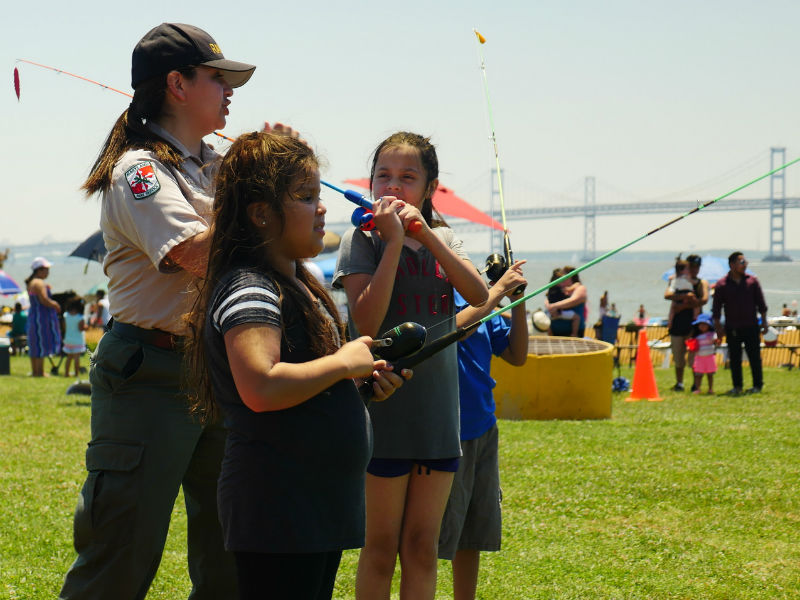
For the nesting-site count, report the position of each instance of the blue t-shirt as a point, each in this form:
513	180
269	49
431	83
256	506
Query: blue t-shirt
474	381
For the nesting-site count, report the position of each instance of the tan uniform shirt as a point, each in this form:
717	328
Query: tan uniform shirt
149	209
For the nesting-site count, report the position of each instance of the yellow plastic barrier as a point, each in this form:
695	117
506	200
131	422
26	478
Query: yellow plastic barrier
564	378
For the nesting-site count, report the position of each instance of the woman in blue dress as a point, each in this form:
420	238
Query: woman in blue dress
43	328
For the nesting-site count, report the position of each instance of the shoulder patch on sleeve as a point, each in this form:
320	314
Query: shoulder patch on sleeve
142	179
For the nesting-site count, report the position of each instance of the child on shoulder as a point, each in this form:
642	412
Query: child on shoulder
268	353
680	285
393	274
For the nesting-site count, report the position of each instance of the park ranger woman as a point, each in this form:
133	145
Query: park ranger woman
155	175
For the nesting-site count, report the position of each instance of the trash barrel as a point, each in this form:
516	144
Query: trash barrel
564	378
5	360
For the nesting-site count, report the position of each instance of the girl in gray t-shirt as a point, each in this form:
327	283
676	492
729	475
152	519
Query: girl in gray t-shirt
391	276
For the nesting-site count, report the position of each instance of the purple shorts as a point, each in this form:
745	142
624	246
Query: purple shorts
396	467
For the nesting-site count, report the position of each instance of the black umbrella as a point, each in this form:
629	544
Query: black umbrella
92	248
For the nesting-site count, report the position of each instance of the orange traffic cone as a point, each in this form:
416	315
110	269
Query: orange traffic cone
644	378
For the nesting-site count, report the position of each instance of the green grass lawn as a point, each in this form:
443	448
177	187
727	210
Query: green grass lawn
692	497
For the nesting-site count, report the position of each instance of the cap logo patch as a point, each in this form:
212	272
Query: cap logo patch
142	180
215	49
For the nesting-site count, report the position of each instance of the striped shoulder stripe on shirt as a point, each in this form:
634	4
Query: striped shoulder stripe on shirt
252	303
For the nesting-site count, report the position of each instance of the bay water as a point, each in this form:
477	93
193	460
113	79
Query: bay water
631	278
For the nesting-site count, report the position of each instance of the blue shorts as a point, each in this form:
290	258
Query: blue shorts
395	467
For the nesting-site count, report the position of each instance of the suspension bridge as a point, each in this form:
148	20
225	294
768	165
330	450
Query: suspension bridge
777	204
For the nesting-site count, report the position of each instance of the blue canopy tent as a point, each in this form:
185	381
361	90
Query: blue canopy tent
8	287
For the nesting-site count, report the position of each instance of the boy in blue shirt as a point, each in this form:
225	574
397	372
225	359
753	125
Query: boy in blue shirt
471	522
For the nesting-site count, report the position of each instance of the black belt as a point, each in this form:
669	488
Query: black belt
154	337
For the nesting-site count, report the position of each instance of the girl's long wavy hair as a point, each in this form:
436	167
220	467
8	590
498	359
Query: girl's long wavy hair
427	156
129	132
259	167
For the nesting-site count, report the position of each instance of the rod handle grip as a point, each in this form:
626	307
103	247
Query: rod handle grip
364	202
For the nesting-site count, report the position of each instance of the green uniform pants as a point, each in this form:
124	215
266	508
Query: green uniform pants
144	446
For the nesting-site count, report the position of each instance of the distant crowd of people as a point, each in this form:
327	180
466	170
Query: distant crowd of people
738	316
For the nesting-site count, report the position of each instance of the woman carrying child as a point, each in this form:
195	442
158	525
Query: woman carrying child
560	317
575	300
680	291
390	276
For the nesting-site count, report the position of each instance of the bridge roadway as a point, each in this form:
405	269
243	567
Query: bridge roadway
581	210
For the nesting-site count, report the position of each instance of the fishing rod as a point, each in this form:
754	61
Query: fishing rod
87	80
459	333
496	264
362	216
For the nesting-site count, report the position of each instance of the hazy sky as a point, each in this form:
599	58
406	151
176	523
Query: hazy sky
678	100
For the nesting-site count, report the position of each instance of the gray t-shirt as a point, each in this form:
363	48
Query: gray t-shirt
421	419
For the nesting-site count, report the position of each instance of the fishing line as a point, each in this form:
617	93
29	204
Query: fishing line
86	79
638	239
351	195
494	263
461	332
493	138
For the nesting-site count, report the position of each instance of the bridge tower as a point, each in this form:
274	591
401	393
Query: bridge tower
495	236
777	208
589	247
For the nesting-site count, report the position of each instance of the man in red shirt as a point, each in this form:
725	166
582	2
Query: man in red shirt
742	298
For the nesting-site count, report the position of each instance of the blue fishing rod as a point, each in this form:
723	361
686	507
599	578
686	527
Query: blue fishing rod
362	216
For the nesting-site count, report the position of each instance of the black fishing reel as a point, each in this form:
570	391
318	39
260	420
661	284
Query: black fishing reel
496	266
399	342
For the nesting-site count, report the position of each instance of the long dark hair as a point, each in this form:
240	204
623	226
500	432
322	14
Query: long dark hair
32	276
569	269
427	156
129	132
259	167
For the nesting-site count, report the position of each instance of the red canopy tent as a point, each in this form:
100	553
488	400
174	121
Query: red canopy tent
447	203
